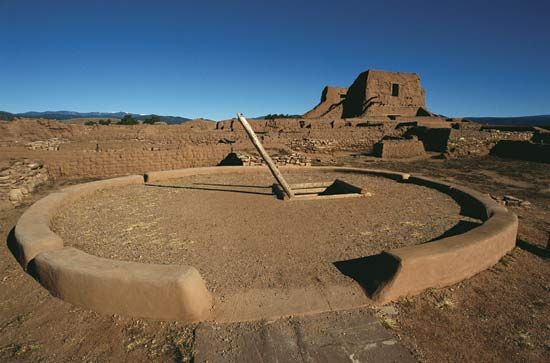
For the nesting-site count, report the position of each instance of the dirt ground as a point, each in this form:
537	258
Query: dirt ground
499	315
240	237
34	326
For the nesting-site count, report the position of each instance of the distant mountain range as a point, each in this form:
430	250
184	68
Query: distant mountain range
67	115
539	120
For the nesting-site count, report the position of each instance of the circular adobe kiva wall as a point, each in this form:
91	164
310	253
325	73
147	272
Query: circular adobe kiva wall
175	292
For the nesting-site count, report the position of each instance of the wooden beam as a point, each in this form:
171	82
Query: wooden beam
272	167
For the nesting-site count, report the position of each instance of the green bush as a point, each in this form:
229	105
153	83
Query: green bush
128	120
280	115
151	120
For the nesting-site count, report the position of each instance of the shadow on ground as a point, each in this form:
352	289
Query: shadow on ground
235	185
374	271
459	228
526	246
11	243
370	272
226	190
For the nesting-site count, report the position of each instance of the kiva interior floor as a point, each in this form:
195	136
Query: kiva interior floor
239	236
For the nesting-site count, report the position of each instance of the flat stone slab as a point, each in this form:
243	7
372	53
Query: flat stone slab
345	336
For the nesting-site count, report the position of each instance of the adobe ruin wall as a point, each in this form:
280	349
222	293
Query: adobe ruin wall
82	152
374	94
379	93
470	139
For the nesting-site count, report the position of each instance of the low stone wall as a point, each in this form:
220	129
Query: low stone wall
166	292
450	260
472	140
19	178
179	293
141	290
247	159
410	270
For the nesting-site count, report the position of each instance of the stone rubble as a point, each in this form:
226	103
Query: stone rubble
509	200
471	141
313	145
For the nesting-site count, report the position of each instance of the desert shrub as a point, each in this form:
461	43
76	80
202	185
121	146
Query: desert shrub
280	115
151	120
128	120
6	116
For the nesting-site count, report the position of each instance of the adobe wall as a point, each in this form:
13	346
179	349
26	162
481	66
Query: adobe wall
434	138
175	292
80	152
85	164
330	105
399	149
371	95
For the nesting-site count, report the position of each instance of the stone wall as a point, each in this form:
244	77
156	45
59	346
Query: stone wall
473	140
253	159
19	178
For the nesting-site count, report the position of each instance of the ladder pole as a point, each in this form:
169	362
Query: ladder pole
272	167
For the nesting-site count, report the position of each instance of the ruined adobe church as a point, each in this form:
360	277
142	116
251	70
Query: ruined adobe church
374	93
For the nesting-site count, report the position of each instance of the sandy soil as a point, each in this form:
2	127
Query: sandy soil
239	236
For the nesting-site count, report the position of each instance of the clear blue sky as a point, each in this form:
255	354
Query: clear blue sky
214	58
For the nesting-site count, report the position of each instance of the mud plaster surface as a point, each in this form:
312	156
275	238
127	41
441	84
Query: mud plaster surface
239	236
